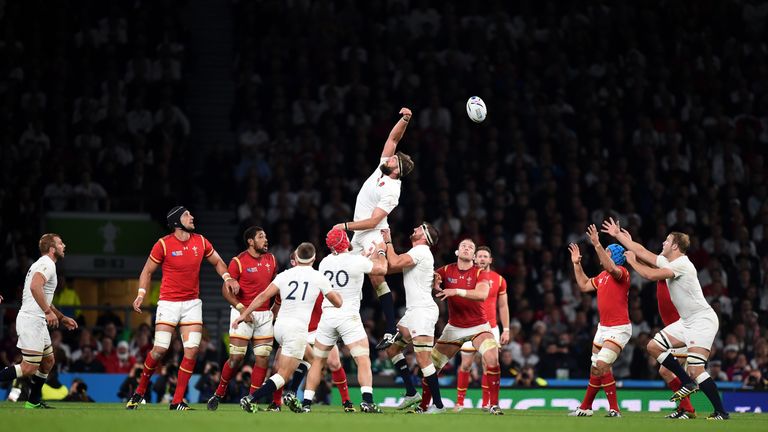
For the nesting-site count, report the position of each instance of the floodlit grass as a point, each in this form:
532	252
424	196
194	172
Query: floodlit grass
114	418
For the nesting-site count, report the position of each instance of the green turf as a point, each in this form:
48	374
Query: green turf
114	418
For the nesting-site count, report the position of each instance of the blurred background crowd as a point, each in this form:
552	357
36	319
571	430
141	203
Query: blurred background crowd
654	113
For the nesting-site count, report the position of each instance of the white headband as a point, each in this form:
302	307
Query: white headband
305	261
426	233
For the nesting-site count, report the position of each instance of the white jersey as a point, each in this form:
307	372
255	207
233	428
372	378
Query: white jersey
299	288
684	288
378	191
418	279
46	267
346	273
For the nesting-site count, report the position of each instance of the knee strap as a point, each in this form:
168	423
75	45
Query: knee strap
488	344
34	359
163	339
607	356
237	350
193	340
48	351
696	360
422	347
439	359
359	351
263	350
318	353
382	289
662	341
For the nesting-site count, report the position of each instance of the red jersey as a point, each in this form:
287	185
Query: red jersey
612	298
463	312
254	276
180	262
317	312
667	310
498	287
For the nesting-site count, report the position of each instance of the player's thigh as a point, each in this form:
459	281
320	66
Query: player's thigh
292	339
263	333
242	335
352	331
168	313
327	332
700	332
674	335
615	338
33	334
420	322
191	313
365	241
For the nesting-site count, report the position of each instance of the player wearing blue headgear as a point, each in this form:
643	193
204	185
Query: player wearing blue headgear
614	329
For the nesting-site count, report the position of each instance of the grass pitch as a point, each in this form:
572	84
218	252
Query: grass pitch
104	417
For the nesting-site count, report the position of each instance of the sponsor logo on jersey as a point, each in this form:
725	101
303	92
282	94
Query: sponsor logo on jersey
452	280
177	253
252	269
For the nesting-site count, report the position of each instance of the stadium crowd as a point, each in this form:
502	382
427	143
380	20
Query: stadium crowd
596	110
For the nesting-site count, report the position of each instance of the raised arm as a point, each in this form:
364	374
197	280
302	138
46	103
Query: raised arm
390	147
646	271
605	260
396	262
612	228
581	277
364	224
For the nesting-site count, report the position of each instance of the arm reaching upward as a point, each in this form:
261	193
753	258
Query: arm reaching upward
605	261
612	228
390	147
581	277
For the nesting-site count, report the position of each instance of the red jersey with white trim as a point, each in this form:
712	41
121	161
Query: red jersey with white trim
254	276
612	297
463	312
498	287
667	309
317	312
180	262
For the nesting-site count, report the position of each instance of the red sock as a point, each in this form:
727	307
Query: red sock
592	389
339	378
150	364
426	395
185	372
486	393
462	382
257	378
494	381
609	387
685	403
226	375
277	396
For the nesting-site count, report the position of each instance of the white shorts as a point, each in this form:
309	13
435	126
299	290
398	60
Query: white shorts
458	335
259	329
179	313
365	241
697	331
420	321
292	337
468	348
345	326
311	337
619	335
33	333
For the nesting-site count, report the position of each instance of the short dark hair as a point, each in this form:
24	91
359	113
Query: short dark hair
485	248
682	241
305	251
47	241
250	233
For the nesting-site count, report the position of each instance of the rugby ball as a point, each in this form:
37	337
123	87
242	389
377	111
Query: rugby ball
476	109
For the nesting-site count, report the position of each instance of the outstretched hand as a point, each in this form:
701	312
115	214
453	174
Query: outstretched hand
575	253
611	227
593	235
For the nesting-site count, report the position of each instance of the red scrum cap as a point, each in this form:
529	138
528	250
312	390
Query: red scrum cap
337	240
